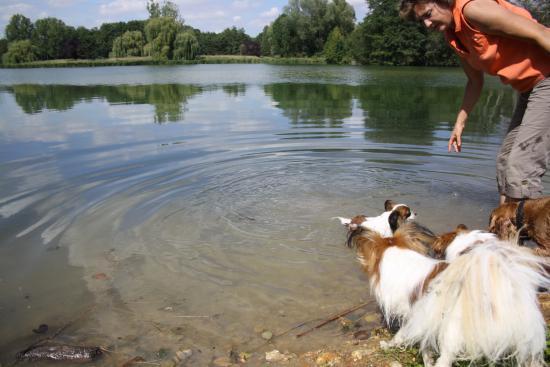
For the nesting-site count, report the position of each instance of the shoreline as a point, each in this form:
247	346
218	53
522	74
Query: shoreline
146	60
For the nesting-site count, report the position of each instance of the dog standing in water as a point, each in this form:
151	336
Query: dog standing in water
483	303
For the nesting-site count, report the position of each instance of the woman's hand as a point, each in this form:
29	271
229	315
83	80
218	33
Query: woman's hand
455	141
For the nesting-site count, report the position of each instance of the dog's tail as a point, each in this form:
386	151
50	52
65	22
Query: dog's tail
484	305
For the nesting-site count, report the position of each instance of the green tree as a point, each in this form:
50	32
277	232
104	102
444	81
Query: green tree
19	51
264	39
340	14
160	34
129	44
167	9
230	40
153	8
19	28
186	46
50	36
285	40
3	47
335	47
86	47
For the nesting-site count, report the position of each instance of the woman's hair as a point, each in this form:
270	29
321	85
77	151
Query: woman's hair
406	8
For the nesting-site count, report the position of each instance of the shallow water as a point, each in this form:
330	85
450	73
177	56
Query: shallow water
190	206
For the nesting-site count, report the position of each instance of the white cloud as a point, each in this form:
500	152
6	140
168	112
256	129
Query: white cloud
121	6
8	10
60	3
271	13
205	15
241	4
236	18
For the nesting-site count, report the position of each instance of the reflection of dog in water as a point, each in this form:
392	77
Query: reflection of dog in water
480	304
527	219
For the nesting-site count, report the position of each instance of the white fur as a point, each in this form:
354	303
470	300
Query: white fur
379	224
465	240
402	271
483	305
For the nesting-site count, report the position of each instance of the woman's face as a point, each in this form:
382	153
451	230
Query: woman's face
434	16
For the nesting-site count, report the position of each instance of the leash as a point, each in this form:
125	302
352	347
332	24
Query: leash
520	214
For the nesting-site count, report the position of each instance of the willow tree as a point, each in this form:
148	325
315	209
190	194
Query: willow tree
19	52
129	44
161	34
186	46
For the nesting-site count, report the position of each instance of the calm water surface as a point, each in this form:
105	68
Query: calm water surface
190	206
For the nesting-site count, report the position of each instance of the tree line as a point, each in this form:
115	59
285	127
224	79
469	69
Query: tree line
305	28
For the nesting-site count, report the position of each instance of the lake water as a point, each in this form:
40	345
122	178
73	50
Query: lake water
159	208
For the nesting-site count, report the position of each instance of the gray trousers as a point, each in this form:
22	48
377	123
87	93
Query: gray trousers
525	151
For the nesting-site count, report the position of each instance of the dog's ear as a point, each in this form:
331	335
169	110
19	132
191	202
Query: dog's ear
461	228
394	220
399	216
388	205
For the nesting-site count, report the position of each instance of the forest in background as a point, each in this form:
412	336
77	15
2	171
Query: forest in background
306	28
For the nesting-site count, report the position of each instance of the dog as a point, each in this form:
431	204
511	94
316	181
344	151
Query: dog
526	219
385	224
450	245
481	304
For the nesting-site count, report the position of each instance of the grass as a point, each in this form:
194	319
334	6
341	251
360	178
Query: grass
147	60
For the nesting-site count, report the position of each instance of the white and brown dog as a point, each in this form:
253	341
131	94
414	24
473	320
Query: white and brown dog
482	304
384	224
526	219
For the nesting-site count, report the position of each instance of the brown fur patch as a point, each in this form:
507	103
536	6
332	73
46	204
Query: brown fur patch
443	241
371	247
536	221
422	288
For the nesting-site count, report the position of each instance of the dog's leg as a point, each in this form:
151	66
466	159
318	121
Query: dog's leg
428	357
445	359
395	342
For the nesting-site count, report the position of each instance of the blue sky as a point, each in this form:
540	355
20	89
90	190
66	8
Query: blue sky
206	15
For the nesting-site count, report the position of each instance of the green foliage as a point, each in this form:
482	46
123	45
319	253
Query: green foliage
227	42
107	33
342	15
539	9
335	48
153	8
19	28
385	39
3	47
51	37
168	9
285	40
160	34
19	52
186	46
87	43
129	44
264	39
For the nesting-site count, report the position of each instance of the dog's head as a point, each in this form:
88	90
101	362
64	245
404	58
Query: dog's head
391	219
502	221
399	214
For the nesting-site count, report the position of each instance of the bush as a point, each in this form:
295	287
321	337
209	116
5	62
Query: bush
19	52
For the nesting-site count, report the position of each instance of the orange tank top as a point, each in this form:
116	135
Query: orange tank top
520	63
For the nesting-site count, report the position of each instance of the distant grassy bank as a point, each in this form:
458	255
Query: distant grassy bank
208	59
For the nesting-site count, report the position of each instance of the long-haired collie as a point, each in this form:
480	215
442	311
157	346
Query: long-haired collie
524	219
482	304
385	224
